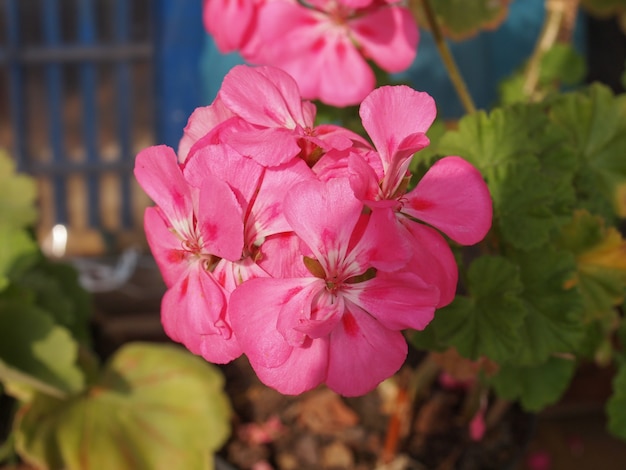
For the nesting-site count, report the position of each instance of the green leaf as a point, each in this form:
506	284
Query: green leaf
155	407
560	65
616	405
461	19
504	136
36	354
595	125
554	322
487	322
56	289
535	387
17	196
529	177
14	244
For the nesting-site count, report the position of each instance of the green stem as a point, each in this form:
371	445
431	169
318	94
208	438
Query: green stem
446	56
560	16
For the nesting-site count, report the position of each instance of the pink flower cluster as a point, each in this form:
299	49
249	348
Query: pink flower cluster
298	244
323	44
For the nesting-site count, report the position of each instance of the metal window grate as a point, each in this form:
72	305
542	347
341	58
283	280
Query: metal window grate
87	84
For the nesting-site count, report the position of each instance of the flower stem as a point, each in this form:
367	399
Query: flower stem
446	56
558	24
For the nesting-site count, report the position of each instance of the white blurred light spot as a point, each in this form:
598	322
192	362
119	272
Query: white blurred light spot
59	240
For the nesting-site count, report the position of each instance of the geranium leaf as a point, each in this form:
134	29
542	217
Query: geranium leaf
486	322
535	387
520	155
15	243
616	405
154	407
555	319
595	124
56	289
461	19
35	353
17	212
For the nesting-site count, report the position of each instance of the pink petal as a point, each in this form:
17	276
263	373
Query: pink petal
337	137
304	315
356	3
343	77
169	254
269	147
362	353
200	123
363	178
384	243
453	197
388	36
266	217
399	300
303	370
325	313
158	173
263	96
281	256
193	313
432	260
231	275
332	164
391	114
222	161
220	219
399	165
254	309
324	216
229	22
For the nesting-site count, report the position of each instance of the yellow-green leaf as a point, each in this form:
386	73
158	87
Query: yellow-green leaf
17	195
35	353
155	407
600	253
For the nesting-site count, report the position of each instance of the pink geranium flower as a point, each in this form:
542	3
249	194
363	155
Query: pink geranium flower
259	112
341	319
452	196
191	229
325	45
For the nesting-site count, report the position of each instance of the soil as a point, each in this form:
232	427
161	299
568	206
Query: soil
322	430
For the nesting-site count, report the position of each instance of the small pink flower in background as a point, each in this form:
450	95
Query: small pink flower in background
539	460
323	44
478	425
